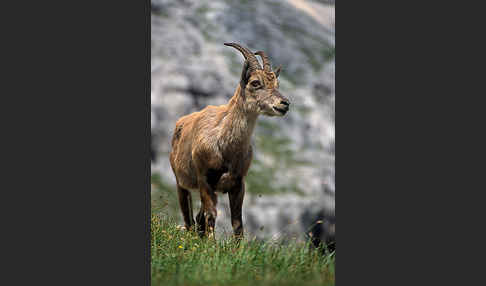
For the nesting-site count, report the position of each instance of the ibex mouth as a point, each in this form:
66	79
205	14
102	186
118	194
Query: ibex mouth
282	111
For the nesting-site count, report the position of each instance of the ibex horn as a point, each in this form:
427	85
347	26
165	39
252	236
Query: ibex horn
266	61
277	71
249	56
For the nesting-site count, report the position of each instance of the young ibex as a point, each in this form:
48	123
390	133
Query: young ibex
211	149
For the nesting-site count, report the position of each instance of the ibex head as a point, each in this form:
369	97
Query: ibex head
259	86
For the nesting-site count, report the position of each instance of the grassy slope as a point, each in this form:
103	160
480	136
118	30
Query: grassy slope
182	258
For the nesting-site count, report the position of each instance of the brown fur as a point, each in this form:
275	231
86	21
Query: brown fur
211	149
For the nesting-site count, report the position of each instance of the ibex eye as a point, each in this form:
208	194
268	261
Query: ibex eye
255	83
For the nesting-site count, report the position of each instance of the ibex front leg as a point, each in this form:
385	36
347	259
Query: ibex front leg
236	195
206	218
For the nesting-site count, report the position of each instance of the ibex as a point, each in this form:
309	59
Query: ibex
211	149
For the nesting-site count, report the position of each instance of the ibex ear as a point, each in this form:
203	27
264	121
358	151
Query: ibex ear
277	71
245	74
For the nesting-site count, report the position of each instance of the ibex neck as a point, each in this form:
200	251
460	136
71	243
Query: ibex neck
239	121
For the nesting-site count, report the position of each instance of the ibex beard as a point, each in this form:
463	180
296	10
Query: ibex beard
211	150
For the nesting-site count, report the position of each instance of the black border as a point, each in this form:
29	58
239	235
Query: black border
148	74
410	145
75	142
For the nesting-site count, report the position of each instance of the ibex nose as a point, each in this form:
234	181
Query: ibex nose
285	102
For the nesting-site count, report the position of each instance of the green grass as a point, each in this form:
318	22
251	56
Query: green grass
180	257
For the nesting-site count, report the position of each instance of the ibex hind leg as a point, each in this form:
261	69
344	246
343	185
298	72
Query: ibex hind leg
185	202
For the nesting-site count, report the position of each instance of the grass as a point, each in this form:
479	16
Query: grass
180	257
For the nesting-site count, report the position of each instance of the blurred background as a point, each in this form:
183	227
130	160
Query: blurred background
290	187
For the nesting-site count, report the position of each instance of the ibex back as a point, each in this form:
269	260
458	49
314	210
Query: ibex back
211	149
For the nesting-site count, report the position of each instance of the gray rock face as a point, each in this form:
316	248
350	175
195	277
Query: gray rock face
191	68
